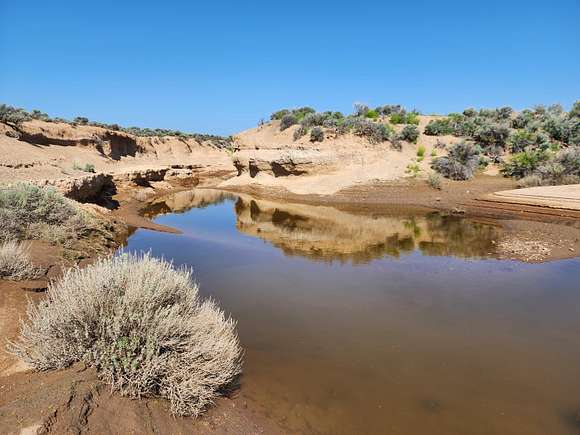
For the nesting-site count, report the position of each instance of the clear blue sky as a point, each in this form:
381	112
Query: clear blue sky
220	66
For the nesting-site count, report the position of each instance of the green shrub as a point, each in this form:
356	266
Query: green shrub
492	134
142	325
276	116
317	135
89	167
524	163
404	118
421	151
32	204
372	114
521	139
460	163
410	133
438	127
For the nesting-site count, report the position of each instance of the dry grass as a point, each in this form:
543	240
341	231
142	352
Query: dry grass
143	326
15	262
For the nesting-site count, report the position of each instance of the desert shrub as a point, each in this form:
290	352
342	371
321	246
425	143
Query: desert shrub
32	204
503	113
524	163
81	120
461	162
434	180
575	110
421	151
413	169
530	181
13	115
317	135
15	261
89	167
278	115
492	134
37	114
389	109
470	112
569	158
438	127
372	114
299	132
520	140
373	131
314	119
404	118
410	133
396	144
142	325
361	109
287	121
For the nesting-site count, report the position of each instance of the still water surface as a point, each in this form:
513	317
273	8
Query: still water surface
382	324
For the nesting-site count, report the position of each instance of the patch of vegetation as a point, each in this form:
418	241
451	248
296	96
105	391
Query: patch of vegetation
434	180
288	121
413	169
15	261
15	116
28	211
300	132
525	163
317	134
421	151
410	133
373	131
460	163
142	325
88	167
404	118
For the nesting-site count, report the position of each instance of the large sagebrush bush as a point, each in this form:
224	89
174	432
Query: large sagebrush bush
288	121
316	134
142	325
460	163
32	204
374	132
438	127
410	133
525	163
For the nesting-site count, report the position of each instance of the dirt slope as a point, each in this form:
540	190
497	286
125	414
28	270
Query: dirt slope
270	157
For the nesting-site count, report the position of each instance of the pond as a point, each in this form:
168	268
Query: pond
395	323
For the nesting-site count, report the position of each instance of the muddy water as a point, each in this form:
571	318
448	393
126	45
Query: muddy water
398	324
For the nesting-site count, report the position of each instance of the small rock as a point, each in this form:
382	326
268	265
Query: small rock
438	199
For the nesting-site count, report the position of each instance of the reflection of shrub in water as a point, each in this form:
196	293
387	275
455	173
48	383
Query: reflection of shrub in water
460	237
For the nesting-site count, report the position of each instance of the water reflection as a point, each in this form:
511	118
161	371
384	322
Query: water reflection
327	234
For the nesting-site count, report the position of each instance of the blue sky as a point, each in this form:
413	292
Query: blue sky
218	67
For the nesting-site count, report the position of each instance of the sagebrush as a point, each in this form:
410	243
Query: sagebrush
142	325
15	261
